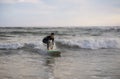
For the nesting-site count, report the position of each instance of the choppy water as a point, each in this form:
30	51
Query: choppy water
87	53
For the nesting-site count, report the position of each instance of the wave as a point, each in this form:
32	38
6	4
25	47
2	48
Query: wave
95	31
90	43
25	45
85	43
37	47
10	45
18	45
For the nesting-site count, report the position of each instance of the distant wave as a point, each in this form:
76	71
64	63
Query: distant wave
94	31
90	43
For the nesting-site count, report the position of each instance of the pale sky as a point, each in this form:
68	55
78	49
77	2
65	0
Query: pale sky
59	12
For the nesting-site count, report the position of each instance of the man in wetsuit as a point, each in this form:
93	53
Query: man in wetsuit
47	40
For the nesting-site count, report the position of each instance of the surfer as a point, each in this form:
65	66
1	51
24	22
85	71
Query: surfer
49	40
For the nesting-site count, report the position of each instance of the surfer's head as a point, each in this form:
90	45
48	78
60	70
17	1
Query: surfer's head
52	35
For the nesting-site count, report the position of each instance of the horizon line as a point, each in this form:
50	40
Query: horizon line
65	26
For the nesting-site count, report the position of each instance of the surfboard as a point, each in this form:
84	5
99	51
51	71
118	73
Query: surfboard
54	52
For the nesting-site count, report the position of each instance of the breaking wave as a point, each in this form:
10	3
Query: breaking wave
18	45
85	43
90	43
10	45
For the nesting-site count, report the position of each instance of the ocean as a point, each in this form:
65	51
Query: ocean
86	53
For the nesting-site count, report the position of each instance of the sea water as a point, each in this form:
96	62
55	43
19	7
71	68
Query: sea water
86	53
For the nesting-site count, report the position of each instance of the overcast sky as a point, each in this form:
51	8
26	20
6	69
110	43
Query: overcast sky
59	12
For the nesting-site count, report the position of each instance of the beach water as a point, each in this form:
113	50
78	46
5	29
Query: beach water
86	53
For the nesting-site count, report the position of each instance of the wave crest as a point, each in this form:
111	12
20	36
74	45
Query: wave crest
10	45
91	43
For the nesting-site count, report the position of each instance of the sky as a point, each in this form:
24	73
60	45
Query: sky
59	12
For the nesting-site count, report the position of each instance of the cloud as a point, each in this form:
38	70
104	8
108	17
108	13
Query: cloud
19	1
29	1
61	12
7	1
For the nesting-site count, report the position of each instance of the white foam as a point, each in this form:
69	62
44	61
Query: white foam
87	43
30	44
11	45
91	43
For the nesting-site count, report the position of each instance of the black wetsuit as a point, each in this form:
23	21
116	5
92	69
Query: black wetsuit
47	39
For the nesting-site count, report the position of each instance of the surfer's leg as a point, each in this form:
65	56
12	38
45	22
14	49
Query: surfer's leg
48	45
51	46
